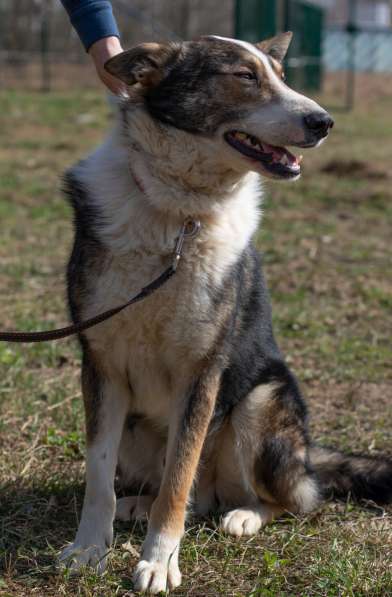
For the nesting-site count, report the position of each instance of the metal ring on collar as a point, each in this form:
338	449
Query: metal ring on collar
191	227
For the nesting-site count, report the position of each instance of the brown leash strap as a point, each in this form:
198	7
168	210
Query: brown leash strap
76	328
189	229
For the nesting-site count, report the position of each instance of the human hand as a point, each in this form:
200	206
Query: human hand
100	52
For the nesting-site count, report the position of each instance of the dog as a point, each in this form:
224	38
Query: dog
186	394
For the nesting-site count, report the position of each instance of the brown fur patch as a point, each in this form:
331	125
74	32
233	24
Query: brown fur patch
186	440
277	46
145	64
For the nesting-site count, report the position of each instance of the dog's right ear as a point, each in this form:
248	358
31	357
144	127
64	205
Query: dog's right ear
145	64
276	46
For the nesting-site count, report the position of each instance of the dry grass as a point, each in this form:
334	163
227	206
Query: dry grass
328	259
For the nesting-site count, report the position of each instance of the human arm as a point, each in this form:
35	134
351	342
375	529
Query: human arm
96	26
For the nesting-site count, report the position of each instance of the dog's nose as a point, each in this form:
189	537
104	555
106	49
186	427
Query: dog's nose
319	122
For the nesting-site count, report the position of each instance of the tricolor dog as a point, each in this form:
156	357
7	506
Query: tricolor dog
186	393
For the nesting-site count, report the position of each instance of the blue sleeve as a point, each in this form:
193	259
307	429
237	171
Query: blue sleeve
92	19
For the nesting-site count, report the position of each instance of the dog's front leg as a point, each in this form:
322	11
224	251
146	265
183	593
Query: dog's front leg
106	403
158	569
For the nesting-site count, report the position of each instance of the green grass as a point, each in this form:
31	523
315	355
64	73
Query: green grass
328	257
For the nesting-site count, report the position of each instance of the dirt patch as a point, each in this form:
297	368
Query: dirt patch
351	168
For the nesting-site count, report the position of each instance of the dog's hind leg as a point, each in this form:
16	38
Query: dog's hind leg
106	404
140	468
268	456
273	447
158	568
141	457
134	507
244	513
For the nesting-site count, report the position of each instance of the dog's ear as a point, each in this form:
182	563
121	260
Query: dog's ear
145	64
276	46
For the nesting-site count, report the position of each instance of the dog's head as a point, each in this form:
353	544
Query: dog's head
229	92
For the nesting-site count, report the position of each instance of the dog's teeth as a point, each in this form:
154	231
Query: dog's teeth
284	160
299	159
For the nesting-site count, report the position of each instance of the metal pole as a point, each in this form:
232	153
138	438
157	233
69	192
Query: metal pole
351	30
280	15
45	41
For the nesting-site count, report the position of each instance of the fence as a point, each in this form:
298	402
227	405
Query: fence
258	19
372	50
39	49
320	58
42	51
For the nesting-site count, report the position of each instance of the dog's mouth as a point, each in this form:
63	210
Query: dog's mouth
275	161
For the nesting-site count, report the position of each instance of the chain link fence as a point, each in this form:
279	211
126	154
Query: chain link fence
40	51
372	50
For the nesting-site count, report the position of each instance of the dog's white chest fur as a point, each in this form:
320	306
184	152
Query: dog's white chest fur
159	341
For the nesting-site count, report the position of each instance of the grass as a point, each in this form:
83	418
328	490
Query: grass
328	257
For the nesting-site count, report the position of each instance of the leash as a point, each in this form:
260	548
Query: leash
189	229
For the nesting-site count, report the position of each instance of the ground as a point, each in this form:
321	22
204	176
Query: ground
328	257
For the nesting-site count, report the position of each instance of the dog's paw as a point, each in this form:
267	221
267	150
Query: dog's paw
77	555
155	577
242	521
158	569
136	507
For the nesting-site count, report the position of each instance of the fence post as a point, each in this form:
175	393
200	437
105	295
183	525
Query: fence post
351	30
45	47
281	15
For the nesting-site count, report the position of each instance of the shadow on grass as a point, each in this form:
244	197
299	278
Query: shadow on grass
37	521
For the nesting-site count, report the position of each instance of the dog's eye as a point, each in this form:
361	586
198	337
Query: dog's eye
245	74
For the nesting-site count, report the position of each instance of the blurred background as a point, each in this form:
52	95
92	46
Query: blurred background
327	250
333	38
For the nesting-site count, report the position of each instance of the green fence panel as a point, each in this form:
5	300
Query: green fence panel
257	19
307	22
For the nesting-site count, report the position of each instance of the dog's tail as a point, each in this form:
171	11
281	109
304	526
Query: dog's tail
361	477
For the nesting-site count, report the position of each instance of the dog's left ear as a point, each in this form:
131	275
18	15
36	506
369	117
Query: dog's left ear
276	46
145	64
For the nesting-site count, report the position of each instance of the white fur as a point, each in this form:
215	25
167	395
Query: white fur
246	521
158	569
306	495
149	222
95	532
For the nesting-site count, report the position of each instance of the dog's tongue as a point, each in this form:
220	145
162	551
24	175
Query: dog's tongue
278	153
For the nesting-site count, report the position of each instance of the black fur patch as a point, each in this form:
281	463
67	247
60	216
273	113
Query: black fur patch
361	477
187	97
92	383
252	353
87	249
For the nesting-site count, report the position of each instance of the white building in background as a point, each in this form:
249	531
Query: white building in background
372	41
374	14
369	13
